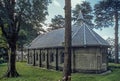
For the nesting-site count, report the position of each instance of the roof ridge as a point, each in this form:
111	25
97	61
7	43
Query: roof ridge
93	35
84	35
76	32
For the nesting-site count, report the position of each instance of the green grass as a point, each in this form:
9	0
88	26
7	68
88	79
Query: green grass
30	73
114	65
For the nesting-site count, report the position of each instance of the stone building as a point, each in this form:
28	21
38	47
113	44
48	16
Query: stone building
89	50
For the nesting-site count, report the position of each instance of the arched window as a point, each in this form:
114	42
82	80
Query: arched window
51	57
61	57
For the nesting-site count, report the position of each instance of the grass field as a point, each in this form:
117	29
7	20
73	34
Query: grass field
30	73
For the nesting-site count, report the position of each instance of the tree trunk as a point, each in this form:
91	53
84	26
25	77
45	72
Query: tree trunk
11	72
67	56
116	37
11	34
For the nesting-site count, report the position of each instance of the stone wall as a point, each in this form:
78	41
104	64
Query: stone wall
89	59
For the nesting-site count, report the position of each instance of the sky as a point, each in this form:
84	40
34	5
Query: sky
57	8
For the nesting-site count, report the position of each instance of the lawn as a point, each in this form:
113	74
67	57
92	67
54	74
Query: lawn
30	73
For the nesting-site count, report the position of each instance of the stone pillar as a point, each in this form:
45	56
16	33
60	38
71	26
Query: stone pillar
39	59
56	59
33	58
47	61
36	56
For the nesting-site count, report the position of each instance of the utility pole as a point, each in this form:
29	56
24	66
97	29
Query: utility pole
67	54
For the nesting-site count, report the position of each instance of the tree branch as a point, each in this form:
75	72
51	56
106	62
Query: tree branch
2	27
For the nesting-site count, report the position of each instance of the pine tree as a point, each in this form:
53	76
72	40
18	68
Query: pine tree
86	10
57	22
67	56
107	13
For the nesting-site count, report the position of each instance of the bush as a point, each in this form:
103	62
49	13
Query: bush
1	60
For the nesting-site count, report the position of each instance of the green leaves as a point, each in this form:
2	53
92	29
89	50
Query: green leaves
34	11
86	10
2	40
57	22
105	11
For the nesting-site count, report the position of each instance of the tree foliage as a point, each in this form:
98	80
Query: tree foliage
86	10
111	54
3	43
110	41
57	22
30	31
12	13
34	14
22	37
107	13
34	11
3	48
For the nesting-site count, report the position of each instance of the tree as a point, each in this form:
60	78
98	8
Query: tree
111	49
3	48
86	10
2	40
21	41
67	56
31	32
3	54
107	13
9	23
57	22
34	14
34	11
12	12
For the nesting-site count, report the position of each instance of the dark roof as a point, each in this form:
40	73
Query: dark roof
82	35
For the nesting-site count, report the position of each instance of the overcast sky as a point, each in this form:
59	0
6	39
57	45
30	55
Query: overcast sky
57	8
